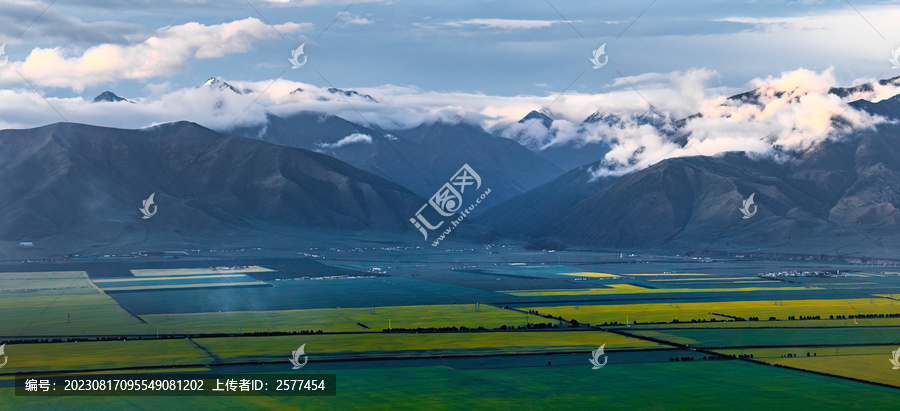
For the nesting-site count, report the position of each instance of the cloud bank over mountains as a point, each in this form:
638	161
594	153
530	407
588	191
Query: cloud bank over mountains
788	113
640	125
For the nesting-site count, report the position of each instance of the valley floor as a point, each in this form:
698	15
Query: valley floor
484	329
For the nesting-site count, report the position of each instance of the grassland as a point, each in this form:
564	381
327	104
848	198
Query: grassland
658	312
869	363
339	320
774	336
712	385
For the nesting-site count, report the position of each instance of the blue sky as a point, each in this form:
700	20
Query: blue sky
484	62
504	48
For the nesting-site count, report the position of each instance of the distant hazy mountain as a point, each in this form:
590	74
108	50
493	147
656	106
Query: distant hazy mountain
77	186
564	154
840	197
752	97
421	159
220	84
108	96
543	116
613	119
351	93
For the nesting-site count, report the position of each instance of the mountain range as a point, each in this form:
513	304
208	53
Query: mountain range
73	187
565	154
421	159
839	197
109	97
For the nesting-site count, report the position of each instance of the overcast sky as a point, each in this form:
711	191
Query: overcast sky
484	62
504	48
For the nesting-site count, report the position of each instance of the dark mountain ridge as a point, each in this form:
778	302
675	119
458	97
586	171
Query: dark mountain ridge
421	159
80	186
841	196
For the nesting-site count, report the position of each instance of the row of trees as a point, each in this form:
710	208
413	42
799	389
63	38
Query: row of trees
736	318
872	316
434	329
164	336
789	355
704	358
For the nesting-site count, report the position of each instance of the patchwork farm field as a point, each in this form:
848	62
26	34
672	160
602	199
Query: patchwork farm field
863	363
537	323
294	294
170	272
41	283
163	283
686	311
631	289
401	345
761	337
804	323
339	320
100	355
59	303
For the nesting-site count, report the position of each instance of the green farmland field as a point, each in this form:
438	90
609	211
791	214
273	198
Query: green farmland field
869	363
339	319
712	385
101	355
871	322
60	303
267	349
658	312
776	337
72	315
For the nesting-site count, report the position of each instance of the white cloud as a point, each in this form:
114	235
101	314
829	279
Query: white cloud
308	3
504	23
162	55
354	138
794	111
350	18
